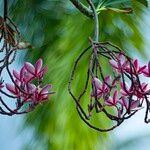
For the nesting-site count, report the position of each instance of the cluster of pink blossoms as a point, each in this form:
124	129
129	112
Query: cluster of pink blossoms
118	96
118	93
27	84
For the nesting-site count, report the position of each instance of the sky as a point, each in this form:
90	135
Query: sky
10	126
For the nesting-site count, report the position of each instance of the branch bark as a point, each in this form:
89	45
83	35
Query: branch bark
82	8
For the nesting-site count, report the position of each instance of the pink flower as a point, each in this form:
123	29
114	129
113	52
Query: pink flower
23	76
24	89
13	89
97	89
133	106
125	89
146	71
109	81
112	101
140	92
120	64
136	68
137	90
37	70
100	88
42	94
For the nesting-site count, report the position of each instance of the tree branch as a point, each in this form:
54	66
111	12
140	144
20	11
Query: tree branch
5	9
82	8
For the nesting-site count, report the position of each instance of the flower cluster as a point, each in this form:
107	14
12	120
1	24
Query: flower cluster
128	97
24	89
124	91
27	86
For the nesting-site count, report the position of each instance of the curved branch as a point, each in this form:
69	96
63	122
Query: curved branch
82	8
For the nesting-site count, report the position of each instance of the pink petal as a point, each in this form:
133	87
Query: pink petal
115	97
146	73
45	89
136	65
38	65
16	74
109	102
121	59
104	87
126	64
144	86
97	83
11	88
123	92
28	78
108	80
125	87
125	102
31	88
98	94
113	63
44	97
134	104
43	71
22	72
30	68
141	69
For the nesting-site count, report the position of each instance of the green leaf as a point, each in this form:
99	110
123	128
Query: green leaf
123	10
144	2
114	2
108	3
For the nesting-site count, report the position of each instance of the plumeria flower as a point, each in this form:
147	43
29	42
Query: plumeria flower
37	70
24	89
41	95
100	88
133	106
97	89
112	101
108	81
125	89
146	71
136	68
120	64
29	90
140	92
13	89
23	76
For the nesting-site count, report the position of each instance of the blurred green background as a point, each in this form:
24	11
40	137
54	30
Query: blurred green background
59	32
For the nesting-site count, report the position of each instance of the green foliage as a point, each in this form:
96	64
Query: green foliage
59	34
116	2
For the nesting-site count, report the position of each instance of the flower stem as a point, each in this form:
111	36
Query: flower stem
96	20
